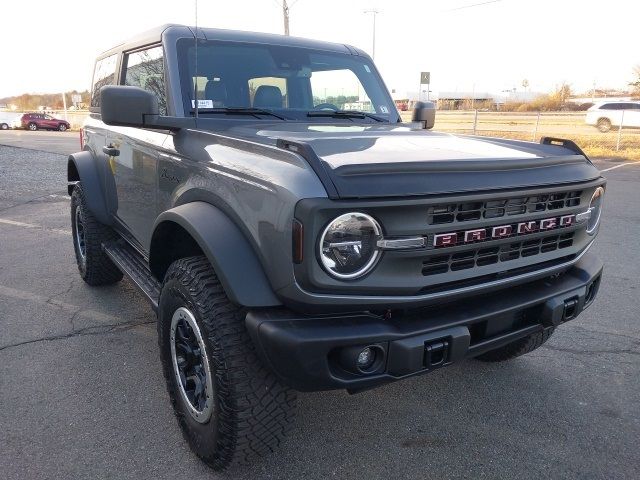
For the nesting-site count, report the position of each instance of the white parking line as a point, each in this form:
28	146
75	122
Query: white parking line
6	221
618	166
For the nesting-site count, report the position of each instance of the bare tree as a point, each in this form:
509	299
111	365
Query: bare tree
635	84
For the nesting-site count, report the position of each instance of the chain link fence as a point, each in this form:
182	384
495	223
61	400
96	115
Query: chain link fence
532	126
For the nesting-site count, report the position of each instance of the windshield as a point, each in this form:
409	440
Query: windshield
288	81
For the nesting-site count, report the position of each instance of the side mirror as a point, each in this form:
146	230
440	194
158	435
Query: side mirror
424	112
128	106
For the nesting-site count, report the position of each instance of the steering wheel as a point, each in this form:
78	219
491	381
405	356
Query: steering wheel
326	106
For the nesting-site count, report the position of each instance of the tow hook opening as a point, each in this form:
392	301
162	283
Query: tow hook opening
592	289
436	353
570	308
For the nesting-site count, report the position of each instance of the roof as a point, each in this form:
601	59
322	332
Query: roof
155	35
465	95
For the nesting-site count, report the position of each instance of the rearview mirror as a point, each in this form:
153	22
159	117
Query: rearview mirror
128	106
424	112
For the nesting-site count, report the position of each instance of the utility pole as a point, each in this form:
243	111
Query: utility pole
285	14
64	104
375	12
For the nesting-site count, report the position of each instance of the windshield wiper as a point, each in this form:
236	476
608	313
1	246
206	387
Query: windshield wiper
344	114
239	111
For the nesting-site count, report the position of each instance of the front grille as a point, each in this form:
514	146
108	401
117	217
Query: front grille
479	257
470	211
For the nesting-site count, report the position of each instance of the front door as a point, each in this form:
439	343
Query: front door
134	166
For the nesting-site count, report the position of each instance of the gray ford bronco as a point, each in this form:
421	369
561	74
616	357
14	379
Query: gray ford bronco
291	233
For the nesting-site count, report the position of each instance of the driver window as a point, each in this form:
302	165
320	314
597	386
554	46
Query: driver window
145	69
340	88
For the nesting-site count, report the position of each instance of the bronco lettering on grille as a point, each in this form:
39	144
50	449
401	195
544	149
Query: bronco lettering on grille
501	231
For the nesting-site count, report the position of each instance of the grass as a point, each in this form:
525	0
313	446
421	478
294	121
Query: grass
520	126
595	146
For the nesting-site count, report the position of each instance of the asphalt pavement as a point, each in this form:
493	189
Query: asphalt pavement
82	394
44	140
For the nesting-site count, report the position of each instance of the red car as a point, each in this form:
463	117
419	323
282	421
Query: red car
42	121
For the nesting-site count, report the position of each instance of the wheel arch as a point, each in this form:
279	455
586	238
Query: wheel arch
82	167
199	228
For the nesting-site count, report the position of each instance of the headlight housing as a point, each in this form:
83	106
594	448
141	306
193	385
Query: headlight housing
595	207
348	245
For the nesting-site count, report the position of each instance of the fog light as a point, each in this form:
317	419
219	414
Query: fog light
366	358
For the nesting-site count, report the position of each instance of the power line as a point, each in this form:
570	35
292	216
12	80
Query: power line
471	6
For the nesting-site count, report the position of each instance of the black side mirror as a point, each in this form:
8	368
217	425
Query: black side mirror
128	106
424	112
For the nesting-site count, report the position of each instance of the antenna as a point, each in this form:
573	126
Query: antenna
195	80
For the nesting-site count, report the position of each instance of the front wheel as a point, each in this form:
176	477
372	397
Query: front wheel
230	407
33	127
517	348
62	127
4	126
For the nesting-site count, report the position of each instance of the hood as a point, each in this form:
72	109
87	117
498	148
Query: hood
394	160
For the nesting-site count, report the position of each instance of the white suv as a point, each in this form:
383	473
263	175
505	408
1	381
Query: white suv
610	114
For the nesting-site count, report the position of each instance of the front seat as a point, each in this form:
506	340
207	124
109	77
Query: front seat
216	91
267	96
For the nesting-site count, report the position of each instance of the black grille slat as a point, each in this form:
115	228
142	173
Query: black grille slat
480	257
497	208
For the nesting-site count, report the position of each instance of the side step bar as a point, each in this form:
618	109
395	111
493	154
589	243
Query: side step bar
131	263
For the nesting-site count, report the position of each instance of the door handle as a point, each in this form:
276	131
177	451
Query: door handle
111	151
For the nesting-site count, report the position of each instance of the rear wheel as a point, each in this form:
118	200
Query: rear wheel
33	127
62	127
230	407
95	267
4	126
604	125
517	348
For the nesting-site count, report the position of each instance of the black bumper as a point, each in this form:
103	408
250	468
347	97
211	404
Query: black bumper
318	352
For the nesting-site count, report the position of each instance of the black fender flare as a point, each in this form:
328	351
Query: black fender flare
82	167
227	249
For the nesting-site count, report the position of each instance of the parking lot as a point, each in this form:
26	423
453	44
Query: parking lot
83	396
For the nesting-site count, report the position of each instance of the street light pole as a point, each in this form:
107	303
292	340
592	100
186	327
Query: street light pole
285	14
375	12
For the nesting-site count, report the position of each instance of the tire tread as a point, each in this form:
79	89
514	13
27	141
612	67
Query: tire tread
517	348
256	410
98	269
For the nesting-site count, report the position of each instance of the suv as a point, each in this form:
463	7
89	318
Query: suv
606	115
42	121
286	243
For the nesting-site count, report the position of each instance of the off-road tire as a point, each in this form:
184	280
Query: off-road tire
517	348
96	268
253	411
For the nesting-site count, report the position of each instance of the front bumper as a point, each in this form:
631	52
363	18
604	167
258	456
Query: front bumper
312	353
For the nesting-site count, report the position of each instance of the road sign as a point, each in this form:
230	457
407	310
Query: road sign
425	77
75	98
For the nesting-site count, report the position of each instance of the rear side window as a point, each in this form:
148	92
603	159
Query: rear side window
145	69
104	74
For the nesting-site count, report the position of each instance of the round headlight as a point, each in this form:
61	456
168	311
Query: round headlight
595	207
348	245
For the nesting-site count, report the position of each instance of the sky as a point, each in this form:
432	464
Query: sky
467	45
